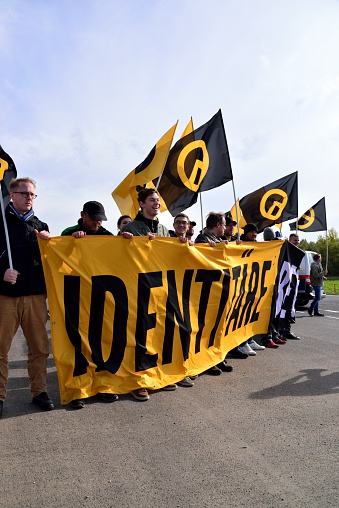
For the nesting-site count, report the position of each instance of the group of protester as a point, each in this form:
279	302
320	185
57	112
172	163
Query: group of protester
23	290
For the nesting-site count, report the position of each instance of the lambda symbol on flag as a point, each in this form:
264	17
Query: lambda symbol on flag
3	168
309	219
276	204
199	169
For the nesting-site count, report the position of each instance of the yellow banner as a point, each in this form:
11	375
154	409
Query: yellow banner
138	313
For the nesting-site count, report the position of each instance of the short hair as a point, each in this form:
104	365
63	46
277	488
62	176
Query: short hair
292	235
181	215
316	257
213	219
144	193
122	218
15	182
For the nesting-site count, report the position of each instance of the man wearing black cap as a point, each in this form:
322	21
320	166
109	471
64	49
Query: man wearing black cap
92	215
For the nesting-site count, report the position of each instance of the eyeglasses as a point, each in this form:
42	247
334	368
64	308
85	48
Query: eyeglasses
181	223
26	195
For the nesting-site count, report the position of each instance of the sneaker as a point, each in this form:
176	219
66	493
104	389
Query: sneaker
187	381
246	348
271	345
140	394
290	336
107	397
169	388
224	366
319	314
279	340
193	377
213	371
236	353
43	401
310	311
255	346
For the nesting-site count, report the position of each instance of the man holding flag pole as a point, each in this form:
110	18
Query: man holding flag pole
22	284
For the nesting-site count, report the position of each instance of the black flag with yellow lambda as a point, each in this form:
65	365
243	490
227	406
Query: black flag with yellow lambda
313	220
197	162
272	204
7	172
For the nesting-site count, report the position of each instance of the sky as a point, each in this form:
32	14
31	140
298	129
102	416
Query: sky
88	87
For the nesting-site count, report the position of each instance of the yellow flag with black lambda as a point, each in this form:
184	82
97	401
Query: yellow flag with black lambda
272	204
125	195
197	162
313	220
7	172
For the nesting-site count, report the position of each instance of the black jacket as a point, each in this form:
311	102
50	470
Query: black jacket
25	255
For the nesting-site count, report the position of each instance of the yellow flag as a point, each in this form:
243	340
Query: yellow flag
125	195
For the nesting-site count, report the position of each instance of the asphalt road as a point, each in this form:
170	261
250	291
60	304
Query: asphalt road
265	435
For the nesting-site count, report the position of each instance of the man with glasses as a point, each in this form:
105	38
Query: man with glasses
23	290
181	225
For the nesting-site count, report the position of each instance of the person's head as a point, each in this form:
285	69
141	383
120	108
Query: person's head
216	223
190	230
22	194
294	239
250	232
93	213
149	202
317	258
268	234
229	228
123	220
181	224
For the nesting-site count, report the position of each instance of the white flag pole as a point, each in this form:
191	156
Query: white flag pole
6	230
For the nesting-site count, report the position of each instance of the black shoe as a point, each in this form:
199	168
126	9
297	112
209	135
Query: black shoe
319	314
107	397
1	407
236	353
224	367
310	311
213	371
77	404
291	336
43	401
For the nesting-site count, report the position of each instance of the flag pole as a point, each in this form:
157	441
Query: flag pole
236	209
201	212
6	230
326	251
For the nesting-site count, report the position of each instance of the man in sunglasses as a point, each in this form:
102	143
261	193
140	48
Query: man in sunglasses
23	290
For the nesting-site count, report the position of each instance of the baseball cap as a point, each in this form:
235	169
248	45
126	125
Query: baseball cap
95	210
229	220
192	223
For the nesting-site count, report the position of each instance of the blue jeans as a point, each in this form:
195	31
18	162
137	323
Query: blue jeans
318	291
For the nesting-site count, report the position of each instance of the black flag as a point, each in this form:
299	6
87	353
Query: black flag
7	172
312	220
197	162
272	204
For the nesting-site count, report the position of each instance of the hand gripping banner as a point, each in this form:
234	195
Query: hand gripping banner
138	313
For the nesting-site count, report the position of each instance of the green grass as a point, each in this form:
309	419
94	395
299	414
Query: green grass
331	286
